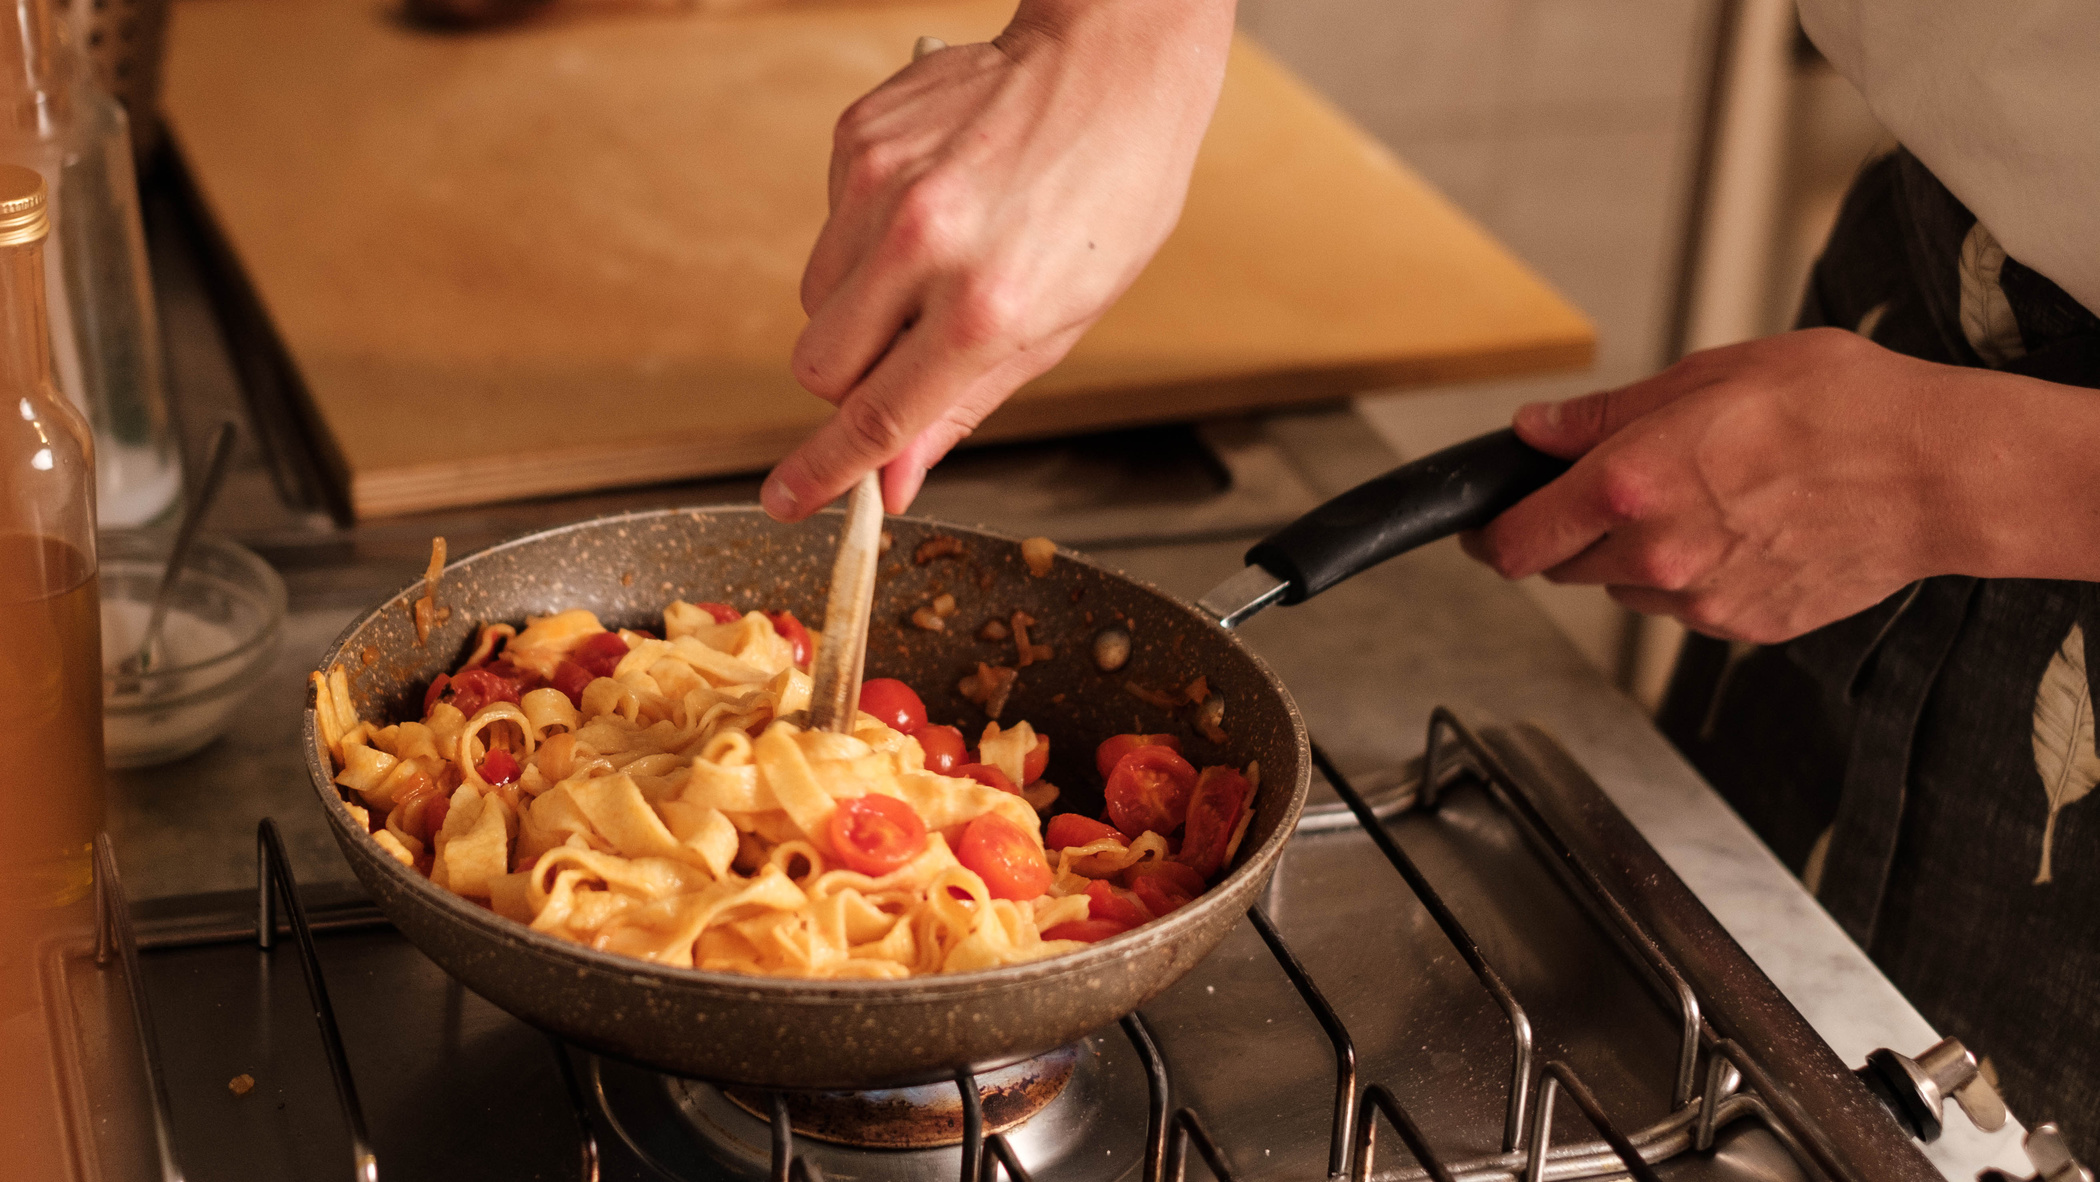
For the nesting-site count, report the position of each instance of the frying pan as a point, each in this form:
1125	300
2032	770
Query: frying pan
781	1032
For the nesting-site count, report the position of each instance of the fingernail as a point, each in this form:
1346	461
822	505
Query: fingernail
778	498
1540	416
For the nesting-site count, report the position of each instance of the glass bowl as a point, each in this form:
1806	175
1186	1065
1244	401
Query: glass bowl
224	622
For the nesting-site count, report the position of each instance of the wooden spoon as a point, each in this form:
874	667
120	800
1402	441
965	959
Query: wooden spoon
842	655
843	652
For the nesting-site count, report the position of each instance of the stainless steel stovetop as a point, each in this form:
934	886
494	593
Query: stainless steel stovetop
1436	984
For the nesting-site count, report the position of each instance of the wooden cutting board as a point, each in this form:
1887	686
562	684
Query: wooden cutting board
565	255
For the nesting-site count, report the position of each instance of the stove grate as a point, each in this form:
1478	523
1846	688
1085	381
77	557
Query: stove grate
1454	750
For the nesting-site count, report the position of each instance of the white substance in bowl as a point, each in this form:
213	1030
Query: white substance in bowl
221	631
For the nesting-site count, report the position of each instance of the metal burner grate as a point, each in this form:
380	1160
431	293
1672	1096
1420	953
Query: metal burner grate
1736	1084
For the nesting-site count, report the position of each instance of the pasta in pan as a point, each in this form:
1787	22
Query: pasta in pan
648	796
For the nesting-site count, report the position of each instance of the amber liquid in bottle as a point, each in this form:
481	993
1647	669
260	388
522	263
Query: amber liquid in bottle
51	697
50	630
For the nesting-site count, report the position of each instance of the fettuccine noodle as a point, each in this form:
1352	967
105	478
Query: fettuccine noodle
650	822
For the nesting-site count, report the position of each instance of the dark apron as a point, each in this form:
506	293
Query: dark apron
1905	760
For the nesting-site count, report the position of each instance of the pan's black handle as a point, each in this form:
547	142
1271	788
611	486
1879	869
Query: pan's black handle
1462	487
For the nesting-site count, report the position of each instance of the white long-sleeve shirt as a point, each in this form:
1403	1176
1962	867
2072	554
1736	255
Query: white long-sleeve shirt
2001	100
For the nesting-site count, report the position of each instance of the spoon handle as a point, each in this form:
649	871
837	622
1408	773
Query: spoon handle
192	517
843	651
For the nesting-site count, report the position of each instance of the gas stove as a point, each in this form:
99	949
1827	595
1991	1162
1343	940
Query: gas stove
1470	967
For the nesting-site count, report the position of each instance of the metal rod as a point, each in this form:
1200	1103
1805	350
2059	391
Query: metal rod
1559	1073
973	1160
1140	1035
587	1138
1718	1084
273	862
113	936
1787	1112
1189	1127
1367	1135
1512	791
783	1139
1337	1033
1454	931
1002	1151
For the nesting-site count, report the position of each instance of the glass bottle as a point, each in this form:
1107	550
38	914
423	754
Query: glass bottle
50	620
106	348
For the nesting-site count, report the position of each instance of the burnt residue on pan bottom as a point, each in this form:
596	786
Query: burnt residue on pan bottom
923	1117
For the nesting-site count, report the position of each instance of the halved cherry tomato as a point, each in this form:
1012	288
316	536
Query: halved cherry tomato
792	631
1004	857
1214	812
874	834
571	679
437	687
987	775
894	703
1115	747
1070	829
1164	886
1149	789
1090	930
434	815
471	689
1037	759
499	767
722	612
944	748
600	654
1104	901
517	675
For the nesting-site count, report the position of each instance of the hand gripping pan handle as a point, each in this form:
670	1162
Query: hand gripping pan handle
1463	487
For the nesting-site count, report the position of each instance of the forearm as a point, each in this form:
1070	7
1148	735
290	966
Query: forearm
1162	53
2016	475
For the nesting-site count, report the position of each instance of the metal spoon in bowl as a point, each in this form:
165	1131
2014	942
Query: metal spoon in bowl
139	663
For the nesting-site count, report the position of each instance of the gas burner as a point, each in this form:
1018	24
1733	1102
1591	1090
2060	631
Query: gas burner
1091	1092
924	1117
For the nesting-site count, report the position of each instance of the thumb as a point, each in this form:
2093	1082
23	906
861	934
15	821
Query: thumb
1571	428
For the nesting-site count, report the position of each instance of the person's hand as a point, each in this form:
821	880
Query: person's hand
1762	490
988	204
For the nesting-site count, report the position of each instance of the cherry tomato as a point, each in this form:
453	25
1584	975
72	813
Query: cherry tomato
1214	812
600	654
523	678
434	815
1070	829
792	631
1004	857
1037	759
875	834
437	687
1149	789
944	747
1115	747
1104	901
499	767
987	775
471	689
571	679
1164	886
894	703
722	612
1090	930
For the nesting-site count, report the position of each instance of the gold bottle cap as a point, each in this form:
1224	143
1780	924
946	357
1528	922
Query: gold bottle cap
24	212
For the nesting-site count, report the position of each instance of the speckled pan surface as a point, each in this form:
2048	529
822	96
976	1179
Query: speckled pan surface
790	1033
